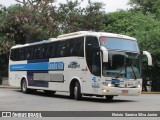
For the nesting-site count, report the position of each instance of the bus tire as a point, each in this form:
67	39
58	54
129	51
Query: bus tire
49	92
77	91
24	88
109	98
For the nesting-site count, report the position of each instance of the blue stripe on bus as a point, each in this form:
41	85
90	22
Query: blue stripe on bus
38	66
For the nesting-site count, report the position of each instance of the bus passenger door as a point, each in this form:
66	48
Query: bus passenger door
92	77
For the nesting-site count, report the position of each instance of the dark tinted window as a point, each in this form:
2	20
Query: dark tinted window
43	51
63	50
66	48
76	47
29	53
93	55
51	50
14	54
21	53
37	51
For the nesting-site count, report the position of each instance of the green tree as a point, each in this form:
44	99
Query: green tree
29	22
94	16
73	18
151	6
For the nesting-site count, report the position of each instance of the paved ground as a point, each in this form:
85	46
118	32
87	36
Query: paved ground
13	100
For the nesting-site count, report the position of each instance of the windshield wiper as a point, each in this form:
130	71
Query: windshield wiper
133	72
117	76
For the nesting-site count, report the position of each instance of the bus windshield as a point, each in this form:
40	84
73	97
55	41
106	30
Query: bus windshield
122	64
119	44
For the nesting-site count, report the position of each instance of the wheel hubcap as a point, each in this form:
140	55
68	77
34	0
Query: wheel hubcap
75	91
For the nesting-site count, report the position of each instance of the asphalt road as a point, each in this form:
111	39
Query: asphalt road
14	100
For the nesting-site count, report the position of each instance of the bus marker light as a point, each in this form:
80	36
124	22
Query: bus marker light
139	86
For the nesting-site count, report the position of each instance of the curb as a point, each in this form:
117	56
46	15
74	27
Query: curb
7	86
150	93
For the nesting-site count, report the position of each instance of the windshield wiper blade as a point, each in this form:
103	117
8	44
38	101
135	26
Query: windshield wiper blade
133	72
117	76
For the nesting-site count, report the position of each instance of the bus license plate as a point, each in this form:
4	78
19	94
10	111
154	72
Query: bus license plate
124	91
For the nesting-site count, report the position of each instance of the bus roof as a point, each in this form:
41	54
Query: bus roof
74	35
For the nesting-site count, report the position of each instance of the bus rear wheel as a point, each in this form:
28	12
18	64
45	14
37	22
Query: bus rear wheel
109	98
77	91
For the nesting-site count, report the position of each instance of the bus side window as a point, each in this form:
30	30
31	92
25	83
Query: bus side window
22	54
43	51
63	48
29	53
81	47
93	55
37	50
50	50
72	48
76	47
14	54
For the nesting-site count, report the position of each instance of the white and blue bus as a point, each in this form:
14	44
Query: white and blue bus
81	63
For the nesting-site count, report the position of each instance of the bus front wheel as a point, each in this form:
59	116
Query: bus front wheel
77	91
24	88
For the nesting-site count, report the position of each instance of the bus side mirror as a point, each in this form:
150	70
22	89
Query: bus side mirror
105	53
148	56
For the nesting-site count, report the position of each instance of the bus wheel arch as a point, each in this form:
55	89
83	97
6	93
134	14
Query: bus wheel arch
75	89
24	86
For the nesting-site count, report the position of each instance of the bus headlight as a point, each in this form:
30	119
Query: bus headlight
110	85
105	91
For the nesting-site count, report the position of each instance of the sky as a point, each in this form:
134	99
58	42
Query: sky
110	5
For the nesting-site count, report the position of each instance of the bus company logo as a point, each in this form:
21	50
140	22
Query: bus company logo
73	65
94	79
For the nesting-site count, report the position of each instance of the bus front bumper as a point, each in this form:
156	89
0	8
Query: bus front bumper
121	91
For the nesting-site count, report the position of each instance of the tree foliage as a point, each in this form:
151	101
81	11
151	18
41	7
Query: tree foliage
151	6
73	18
28	23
